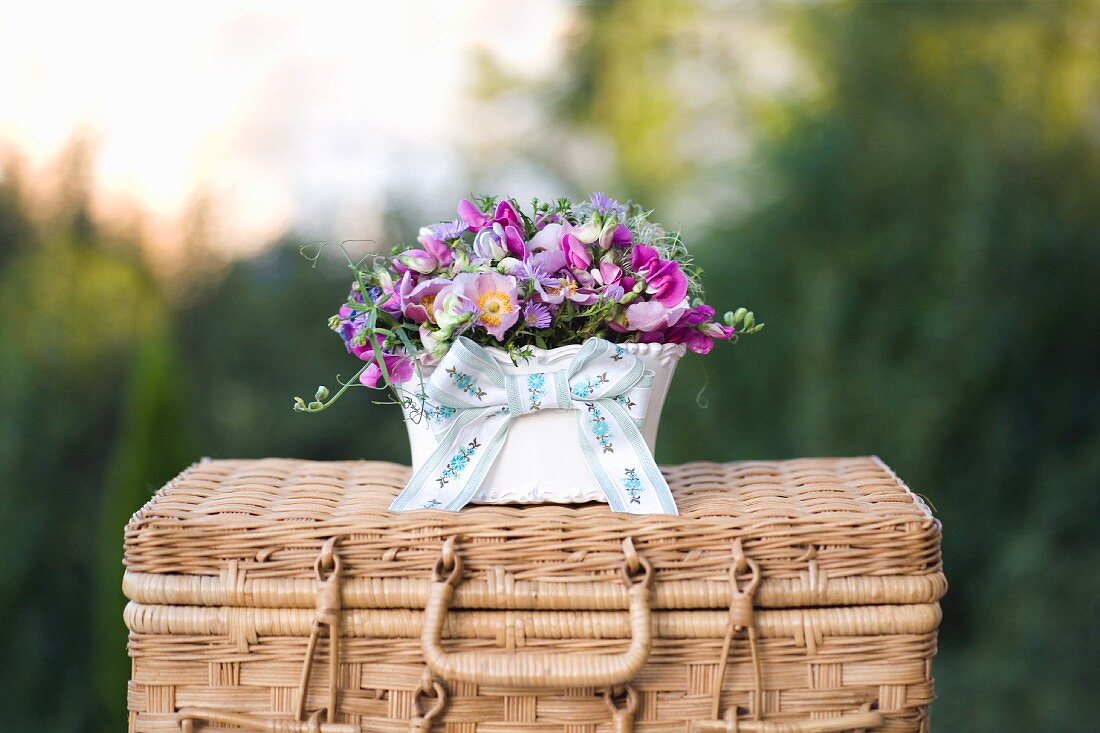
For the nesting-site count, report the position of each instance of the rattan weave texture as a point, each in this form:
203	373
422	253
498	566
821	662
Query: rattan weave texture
220	572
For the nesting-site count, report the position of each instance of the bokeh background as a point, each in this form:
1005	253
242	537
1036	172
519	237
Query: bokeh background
908	193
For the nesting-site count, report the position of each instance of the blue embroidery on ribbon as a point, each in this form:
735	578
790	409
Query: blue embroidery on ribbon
601	429
458	462
620	352
585	389
536	389
439	414
625	401
466	383
633	485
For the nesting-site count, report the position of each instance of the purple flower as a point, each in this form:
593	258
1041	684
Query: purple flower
400	367
417	299
351	321
576	251
615	236
475	219
663	278
606	206
529	270
435	239
497	241
569	288
494	297
537	315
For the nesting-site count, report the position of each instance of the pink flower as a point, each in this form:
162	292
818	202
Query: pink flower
400	368
620	237
497	241
651	316
664	279
576	251
419	260
494	297
475	219
472	215
507	215
435	239
417	299
610	276
547	239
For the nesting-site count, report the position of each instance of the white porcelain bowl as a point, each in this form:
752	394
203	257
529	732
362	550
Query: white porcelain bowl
541	460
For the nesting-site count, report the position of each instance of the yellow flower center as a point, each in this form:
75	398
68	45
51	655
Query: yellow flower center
568	288
428	302
493	304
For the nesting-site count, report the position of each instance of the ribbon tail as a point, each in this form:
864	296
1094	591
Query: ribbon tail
458	465
621	461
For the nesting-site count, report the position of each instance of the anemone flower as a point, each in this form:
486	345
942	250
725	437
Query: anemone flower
495	299
417	299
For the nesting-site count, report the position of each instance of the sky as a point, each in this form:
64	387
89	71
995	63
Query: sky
283	114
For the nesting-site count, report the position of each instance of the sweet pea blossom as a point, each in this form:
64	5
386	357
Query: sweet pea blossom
664	279
497	241
399	367
475	220
575	248
419	260
436	238
651	316
610	276
547	239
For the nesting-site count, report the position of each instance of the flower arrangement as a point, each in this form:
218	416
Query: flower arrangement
556	274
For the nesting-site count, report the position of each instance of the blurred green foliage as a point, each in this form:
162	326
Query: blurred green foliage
920	231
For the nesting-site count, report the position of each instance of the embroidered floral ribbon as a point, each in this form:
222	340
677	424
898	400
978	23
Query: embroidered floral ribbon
471	399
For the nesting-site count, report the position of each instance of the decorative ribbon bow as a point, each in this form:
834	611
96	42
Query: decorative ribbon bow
471	400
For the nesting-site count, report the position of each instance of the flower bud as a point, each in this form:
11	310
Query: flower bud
418	260
299	404
315	405
385	279
334	323
607	233
462	261
321	394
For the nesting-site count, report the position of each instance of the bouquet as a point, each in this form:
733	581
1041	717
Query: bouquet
558	273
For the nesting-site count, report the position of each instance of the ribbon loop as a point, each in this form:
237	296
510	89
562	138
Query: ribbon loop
472	399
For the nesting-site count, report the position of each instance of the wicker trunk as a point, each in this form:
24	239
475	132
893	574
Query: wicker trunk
787	596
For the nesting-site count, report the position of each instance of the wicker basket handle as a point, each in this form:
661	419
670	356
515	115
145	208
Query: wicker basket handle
537	670
865	718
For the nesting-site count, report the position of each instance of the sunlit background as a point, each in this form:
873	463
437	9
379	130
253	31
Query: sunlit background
906	192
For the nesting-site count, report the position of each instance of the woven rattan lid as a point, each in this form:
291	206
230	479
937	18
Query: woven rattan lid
842	531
